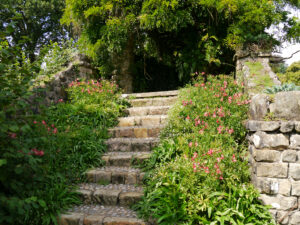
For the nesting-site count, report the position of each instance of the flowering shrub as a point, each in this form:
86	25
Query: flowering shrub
93	107
200	173
43	155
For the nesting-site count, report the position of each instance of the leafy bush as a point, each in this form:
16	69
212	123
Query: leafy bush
93	107
280	88
292	74
54	58
42	155
200	173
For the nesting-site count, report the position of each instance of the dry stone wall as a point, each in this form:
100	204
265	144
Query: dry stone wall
55	89
250	79
275	158
274	149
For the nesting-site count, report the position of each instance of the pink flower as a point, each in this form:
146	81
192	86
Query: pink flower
195	167
37	152
206	114
34	122
221	178
13	135
233	158
203	73
60	100
230	131
191	144
43	122
195	155
206	169
54	130
220	128
229	99
210	152
188	117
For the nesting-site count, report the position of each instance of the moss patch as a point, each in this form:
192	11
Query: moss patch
259	76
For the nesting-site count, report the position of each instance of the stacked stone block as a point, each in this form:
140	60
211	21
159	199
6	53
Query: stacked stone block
112	189
275	165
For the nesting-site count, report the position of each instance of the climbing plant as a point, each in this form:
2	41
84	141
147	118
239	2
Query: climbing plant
187	35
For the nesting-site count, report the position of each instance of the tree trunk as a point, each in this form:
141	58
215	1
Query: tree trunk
124	64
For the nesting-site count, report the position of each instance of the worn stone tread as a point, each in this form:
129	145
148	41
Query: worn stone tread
125	158
149	120
111	194
147	110
93	214
114	187
152	94
160	101
135	131
131	144
115	175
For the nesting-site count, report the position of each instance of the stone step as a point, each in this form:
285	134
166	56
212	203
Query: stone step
131	144
112	194
164	101
100	215
152	94
125	159
135	131
115	175
147	110
151	120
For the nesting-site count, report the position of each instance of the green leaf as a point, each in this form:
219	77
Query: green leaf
3	162
13	128
42	203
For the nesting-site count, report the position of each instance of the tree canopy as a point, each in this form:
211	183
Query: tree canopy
189	35
37	20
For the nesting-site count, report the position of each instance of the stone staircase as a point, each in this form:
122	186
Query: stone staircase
114	188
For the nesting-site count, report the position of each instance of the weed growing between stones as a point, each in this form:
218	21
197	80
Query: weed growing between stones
199	170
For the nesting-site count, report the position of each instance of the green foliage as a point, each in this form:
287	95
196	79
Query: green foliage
259	76
57	56
186	35
42	155
38	21
93	107
199	170
279	68
292	74
280	88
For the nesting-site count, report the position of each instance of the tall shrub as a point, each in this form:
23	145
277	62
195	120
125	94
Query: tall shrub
200	173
